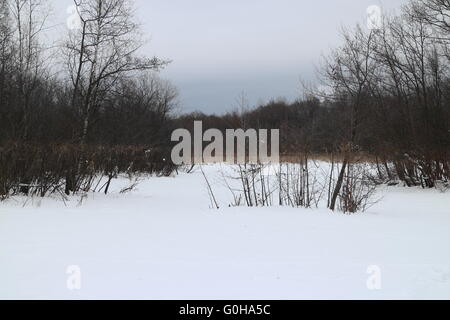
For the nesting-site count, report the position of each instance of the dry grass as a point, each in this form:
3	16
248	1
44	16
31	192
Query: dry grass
326	157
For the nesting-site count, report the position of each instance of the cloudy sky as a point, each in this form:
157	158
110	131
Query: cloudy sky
222	48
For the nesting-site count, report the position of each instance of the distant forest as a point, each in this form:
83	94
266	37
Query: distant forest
106	111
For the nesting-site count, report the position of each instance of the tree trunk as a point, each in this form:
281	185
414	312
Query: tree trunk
338	187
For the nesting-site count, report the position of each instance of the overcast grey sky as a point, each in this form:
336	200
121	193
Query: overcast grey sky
222	48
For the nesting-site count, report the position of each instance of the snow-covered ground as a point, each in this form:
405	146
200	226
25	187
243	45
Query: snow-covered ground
163	241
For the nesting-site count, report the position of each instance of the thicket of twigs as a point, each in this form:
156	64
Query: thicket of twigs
37	170
304	183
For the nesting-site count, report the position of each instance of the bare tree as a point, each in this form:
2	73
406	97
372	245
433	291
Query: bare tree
6	46
350	70
29	18
435	12
102	51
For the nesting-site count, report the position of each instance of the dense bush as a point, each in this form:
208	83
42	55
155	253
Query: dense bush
36	169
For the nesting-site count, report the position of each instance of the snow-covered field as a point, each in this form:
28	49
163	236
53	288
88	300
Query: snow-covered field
163	241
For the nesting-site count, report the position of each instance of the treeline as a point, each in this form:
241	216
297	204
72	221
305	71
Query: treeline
93	106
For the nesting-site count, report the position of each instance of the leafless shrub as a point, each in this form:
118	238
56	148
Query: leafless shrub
250	185
358	190
256	190
299	184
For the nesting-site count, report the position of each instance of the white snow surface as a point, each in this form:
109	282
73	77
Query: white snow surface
163	241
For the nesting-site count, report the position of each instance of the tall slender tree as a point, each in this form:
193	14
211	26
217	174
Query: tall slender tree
104	49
